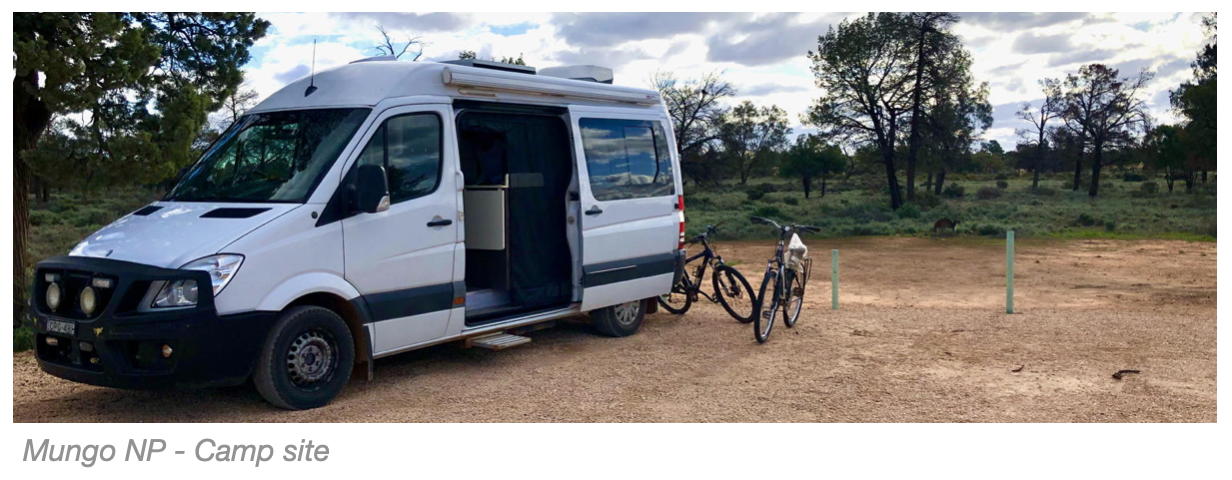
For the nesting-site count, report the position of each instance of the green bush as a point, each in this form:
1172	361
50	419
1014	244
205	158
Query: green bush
926	200
1110	225
755	194
1002	184
908	210
43	217
1150	188
769	211
954	190
987	193
1001	177
1044	191
791	200
1133	177
1085	220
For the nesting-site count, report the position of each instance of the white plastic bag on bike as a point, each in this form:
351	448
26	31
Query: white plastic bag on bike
796	253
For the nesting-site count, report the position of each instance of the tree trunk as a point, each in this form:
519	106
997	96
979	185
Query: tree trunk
887	158
1189	181
1169	178
805	181
913	143
1204	177
1078	170
30	118
940	180
1097	162
1039	158
823	186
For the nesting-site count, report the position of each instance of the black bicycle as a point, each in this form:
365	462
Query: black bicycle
731	289
783	284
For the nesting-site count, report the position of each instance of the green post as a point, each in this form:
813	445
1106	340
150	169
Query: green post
834	279
1009	271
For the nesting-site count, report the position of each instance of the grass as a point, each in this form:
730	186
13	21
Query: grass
1123	210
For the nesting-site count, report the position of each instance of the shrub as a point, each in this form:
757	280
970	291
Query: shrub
954	190
908	210
1133	177
791	200
755	194
770	211
1150	188
1001	176
1085	220
1110	225
43	217
926	200
987	193
1044	191
1002	184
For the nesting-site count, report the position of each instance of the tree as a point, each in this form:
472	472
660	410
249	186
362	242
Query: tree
863	66
1107	109
1050	107
133	87
398	49
239	102
471	55
935	48
811	158
696	109
1167	153
955	118
1196	101
749	134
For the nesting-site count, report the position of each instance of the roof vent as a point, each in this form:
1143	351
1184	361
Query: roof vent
379	58
506	67
588	73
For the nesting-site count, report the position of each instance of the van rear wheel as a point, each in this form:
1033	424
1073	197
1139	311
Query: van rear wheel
619	320
306	360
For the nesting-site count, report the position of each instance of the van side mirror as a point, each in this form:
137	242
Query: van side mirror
371	189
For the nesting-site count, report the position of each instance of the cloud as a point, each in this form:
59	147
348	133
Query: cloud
1019	20
1081	56
770	88
295	73
765	40
611	29
1028	42
426	22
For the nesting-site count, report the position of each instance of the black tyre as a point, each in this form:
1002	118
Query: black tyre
795	298
306	360
619	320
768	300
679	299
734	293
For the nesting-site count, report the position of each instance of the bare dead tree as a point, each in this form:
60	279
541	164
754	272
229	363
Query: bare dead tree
397	49
1050	108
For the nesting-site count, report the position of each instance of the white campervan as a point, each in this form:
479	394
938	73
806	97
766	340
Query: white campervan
373	209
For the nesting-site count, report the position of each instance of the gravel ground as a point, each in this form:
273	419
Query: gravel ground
921	337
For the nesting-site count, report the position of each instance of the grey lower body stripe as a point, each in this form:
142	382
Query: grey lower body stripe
628	269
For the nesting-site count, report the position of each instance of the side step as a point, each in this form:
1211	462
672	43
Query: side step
497	341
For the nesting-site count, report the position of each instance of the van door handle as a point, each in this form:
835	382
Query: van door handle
595	210
440	222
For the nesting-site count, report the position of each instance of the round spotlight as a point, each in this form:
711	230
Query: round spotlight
88	301
53	296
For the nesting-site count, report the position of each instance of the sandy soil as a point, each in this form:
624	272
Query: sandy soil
921	337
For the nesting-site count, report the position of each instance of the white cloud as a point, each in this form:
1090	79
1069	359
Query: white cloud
1010	51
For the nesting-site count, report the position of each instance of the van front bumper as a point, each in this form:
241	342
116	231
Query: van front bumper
125	346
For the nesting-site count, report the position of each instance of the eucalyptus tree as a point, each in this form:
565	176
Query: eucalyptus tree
1051	107
863	67
1107	108
750	135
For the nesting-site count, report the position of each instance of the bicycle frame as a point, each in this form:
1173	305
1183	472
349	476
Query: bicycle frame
710	258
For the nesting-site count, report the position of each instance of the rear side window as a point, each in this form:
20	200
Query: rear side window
409	147
626	158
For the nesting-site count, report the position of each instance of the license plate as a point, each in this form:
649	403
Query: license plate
61	327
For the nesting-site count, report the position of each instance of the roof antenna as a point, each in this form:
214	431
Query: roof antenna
312	78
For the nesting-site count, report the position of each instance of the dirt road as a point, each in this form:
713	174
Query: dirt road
921	337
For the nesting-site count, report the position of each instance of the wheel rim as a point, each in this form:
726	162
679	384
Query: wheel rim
676	298
734	296
795	302
626	313
312	358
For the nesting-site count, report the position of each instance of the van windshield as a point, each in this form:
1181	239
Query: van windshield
270	157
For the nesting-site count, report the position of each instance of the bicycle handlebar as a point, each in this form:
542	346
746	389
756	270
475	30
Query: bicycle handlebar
784	228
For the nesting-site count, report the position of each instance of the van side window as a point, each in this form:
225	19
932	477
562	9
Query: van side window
409	147
626	158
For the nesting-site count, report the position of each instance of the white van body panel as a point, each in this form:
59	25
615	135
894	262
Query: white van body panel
629	230
174	234
284	260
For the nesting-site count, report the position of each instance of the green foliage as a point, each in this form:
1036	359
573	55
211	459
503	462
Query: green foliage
809	158
1002	184
23	339
751	136
1133	177
926	200
908	210
954	190
754	194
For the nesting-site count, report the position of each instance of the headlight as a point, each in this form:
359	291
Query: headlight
88	301
53	296
183	293
180	293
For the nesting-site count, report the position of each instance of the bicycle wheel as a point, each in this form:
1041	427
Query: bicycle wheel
768	301
734	293
795	298
680	298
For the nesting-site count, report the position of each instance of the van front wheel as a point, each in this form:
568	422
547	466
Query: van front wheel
619	320
306	359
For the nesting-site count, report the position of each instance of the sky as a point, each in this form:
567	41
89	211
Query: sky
761	54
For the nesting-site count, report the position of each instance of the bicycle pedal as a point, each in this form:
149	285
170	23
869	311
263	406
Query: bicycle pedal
766	314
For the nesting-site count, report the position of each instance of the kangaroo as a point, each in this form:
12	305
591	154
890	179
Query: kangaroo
945	225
